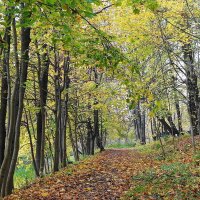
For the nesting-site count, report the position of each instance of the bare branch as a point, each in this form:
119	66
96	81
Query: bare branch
105	8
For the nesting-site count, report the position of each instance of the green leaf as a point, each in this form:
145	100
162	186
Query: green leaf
152	4
89	14
51	1
136	10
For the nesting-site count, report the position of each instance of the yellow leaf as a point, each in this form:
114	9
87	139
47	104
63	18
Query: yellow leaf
88	189
44	194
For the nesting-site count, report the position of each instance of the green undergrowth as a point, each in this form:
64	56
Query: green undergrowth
170	147
121	146
175	176
170	181
25	174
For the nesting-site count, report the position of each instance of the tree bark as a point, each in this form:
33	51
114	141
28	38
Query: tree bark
57	112
192	87
31	145
43	84
96	130
25	41
4	89
178	112
171	129
64	111
96	117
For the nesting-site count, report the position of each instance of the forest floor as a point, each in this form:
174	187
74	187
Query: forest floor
124	174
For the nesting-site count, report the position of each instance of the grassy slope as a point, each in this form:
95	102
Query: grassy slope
175	177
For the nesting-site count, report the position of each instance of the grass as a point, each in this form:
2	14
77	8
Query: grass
171	181
24	175
121	146
175	177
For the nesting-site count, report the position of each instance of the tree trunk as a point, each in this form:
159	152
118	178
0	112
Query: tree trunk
43	84
192	87
57	113
31	144
89	138
96	130
64	111
4	89
171	129
96	117
25	41
143	135
178	112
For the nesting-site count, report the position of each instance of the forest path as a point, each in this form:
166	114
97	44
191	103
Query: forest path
106	175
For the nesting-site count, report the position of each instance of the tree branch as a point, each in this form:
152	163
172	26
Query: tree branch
100	11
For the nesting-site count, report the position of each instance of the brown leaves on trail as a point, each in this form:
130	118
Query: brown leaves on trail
108	175
104	176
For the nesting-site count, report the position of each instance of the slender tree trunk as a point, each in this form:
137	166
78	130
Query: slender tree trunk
89	137
4	89
13	104
25	41
160	140
192	87
138	122
72	141
38	139
31	144
178	112
96	130
57	114
65	110
174	131
96	117
143	134
75	129
153	132
171	129
43	84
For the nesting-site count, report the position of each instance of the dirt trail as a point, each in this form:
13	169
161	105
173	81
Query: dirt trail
104	176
